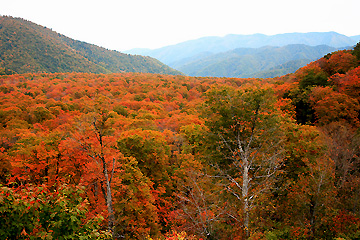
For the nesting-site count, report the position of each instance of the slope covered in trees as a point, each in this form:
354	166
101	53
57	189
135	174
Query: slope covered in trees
252	62
214	45
224	56
150	156
28	47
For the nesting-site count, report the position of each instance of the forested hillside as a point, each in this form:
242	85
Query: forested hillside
253	62
27	47
256	55
174	53
150	156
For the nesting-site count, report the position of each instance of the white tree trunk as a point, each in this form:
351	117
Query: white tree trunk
245	195
108	199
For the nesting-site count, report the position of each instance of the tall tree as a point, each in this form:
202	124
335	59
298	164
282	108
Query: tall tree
94	137
305	190
245	127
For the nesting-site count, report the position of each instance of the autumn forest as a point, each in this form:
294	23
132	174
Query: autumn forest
153	156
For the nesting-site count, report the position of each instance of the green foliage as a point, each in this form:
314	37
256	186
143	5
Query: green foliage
136	213
121	110
308	77
37	212
114	61
5	71
312	78
244	114
278	234
27	47
356	51
149	149
40	114
305	114
246	135
195	138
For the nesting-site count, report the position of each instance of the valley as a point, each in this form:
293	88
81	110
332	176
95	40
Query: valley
98	144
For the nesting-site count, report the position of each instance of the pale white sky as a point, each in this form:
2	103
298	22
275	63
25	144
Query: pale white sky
126	24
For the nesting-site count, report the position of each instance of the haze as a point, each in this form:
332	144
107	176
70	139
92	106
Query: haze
123	25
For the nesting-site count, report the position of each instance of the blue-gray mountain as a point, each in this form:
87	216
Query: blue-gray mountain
256	62
247	55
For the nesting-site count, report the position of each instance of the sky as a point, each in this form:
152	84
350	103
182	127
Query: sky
126	24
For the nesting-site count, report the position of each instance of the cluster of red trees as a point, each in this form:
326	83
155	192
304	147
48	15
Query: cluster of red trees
139	156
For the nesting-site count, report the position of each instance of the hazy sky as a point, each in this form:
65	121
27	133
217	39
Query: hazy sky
126	24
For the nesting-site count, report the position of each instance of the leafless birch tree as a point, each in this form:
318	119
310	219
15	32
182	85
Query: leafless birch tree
247	133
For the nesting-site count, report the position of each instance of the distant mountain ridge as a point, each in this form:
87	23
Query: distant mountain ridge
173	53
219	56
356	38
28	47
249	62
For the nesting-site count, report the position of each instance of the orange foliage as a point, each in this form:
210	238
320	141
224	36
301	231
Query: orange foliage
332	106
152	125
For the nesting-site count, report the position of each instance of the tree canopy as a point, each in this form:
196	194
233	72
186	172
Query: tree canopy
151	156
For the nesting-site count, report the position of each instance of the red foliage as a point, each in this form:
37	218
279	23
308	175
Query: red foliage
152	125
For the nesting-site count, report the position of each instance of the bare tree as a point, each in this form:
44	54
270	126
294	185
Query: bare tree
92	136
344	150
201	207
247	130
